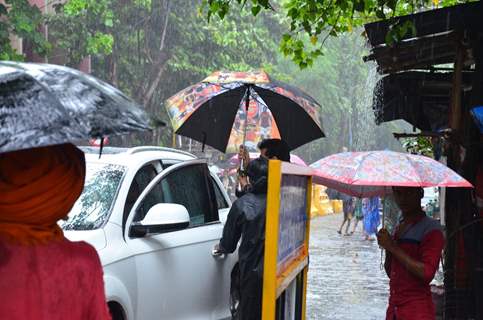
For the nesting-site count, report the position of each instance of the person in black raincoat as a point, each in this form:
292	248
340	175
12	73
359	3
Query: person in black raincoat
246	219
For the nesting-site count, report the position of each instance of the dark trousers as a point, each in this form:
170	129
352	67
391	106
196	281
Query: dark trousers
251	300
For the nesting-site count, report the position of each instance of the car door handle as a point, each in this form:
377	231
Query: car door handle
218	254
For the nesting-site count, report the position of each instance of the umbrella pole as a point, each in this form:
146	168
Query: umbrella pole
247	105
383	212
383	225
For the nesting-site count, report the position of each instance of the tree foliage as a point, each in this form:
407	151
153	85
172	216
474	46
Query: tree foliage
151	49
81	28
419	145
317	20
343	84
20	19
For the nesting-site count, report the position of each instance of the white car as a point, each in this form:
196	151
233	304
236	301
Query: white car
154	215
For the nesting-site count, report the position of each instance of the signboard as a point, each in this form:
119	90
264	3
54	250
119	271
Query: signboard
286	241
292	220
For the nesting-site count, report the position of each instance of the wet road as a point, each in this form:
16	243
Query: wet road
345	279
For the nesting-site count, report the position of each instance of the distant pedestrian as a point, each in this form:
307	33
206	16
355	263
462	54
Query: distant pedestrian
358	215
413	253
348	206
371	220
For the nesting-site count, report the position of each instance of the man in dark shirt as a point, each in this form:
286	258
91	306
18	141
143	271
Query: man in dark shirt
412	258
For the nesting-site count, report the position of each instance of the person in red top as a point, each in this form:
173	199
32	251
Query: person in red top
44	276
412	258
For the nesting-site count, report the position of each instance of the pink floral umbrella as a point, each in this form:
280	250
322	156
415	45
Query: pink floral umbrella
372	173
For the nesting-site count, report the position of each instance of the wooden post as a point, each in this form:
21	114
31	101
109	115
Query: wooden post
477	100
455	104
453	161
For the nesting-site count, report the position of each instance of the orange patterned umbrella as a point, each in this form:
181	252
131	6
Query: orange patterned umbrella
232	108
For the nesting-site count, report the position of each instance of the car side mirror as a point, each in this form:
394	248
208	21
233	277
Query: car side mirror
161	218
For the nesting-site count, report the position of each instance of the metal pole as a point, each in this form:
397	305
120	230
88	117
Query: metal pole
383	212
383	225
247	105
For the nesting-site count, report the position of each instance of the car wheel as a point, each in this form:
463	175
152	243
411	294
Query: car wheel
117	313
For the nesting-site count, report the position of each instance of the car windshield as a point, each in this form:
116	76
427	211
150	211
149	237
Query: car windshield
92	208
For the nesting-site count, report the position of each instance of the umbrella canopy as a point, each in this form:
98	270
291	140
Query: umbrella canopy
367	174
253	155
215	110
42	104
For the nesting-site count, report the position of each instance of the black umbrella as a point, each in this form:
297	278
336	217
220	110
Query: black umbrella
216	109
43	104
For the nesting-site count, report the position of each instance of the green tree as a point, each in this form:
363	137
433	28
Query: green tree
20	19
317	20
160	46
81	28
419	145
343	85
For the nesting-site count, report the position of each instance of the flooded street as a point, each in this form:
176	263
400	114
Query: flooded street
345	278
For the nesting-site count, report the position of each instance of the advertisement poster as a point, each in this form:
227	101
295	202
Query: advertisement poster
292	220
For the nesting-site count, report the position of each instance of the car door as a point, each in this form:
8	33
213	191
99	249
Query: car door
177	277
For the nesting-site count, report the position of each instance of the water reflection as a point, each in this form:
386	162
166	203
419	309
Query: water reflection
345	276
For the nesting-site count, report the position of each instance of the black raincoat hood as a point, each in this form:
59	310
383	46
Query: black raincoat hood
257	172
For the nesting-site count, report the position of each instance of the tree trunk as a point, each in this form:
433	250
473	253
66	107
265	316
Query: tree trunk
158	73
159	65
113	70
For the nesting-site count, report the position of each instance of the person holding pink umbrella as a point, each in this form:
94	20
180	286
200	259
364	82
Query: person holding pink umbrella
414	250
412	257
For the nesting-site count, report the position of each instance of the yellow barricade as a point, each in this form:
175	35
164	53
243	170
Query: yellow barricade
321	204
337	205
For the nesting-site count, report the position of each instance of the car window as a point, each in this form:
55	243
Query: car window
188	186
220	199
94	205
141	180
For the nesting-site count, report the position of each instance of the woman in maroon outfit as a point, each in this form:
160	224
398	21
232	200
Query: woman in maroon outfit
412	257
42	274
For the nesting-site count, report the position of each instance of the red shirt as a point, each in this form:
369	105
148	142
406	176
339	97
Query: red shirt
56	281
410	297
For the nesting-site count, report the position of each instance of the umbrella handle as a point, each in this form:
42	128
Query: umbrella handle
382	259
383	224
241	170
383	212
101	146
204	142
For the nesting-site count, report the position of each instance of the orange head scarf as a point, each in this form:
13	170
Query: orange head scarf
38	187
